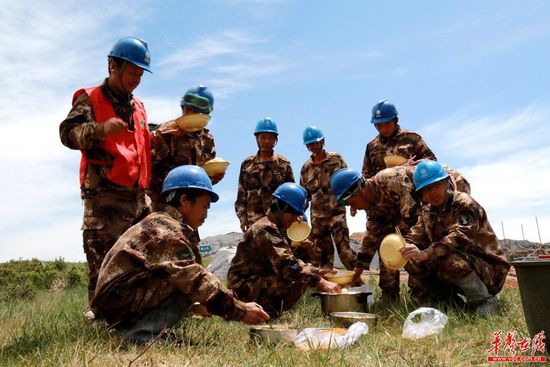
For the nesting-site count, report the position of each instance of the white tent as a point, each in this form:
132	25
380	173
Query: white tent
221	261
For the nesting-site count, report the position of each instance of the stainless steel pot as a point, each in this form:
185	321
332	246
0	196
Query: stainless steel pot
344	302
276	334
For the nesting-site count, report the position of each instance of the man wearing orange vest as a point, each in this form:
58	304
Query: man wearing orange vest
109	126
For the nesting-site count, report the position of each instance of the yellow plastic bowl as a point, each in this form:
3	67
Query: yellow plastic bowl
215	166
342	277
394	160
193	122
298	231
389	252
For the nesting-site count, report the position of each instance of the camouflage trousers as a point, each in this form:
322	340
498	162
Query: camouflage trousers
327	232
434	279
377	229
129	298
108	212
274	294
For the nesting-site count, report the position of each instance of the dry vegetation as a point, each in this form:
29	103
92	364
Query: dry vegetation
49	330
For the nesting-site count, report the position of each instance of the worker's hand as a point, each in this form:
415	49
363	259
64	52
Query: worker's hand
323	271
330	287
306	244
113	126
170	128
217	178
254	314
411	252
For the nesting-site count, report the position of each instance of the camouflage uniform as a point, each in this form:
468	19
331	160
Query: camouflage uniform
395	204
404	143
150	263
257	181
458	239
328	218
109	208
265	271
172	151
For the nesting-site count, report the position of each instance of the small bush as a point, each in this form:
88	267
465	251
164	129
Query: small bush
21	279
21	290
74	277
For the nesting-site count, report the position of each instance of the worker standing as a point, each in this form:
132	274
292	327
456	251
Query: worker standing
108	124
176	146
328	219
260	175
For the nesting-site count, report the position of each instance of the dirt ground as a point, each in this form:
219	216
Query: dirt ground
511	279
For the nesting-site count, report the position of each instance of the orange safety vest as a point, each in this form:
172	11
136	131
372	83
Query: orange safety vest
131	150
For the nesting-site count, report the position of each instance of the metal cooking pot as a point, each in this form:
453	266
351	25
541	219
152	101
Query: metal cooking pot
344	302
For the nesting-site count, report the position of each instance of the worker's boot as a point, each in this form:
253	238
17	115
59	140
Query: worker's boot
477	294
159	319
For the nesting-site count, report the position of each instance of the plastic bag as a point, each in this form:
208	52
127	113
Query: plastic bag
431	322
311	338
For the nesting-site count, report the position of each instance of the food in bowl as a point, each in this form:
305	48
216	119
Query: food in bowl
193	122
276	334
346	319
341	277
394	160
215	166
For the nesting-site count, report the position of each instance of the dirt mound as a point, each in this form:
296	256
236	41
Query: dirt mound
510	282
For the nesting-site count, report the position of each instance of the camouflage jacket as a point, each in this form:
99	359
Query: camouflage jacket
461	225
265	251
396	204
315	178
404	143
172	151
257	181
150	261
77	131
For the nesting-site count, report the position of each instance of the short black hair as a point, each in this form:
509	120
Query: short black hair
191	194
119	63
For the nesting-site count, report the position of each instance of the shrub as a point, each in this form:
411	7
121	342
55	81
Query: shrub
74	277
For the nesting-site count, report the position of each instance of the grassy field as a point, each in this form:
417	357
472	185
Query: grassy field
49	330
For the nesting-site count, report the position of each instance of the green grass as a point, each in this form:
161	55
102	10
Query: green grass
49	330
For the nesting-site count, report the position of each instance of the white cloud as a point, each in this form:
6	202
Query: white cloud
514	190
47	53
508	164
484	136
226	60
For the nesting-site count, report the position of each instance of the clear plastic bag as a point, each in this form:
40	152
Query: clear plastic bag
431	322
311	338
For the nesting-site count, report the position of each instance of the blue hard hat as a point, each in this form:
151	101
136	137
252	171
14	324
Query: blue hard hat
312	134
188	177
266	125
133	50
294	195
427	172
343	180
198	99
383	111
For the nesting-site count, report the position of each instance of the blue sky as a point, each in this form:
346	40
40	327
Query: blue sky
471	77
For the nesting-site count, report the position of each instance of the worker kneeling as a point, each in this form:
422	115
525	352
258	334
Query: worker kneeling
151	276
264	269
452	247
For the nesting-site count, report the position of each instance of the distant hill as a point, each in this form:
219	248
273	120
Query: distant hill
514	248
